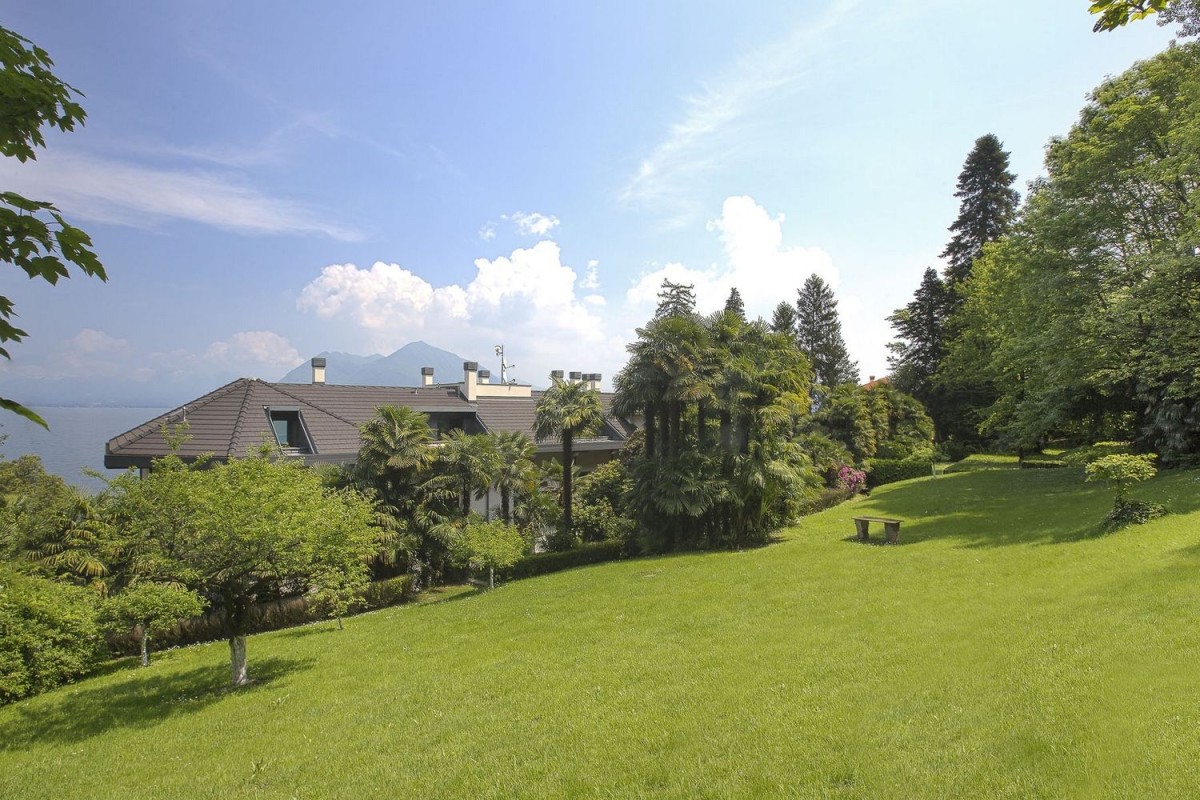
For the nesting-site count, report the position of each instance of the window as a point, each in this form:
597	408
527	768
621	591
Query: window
289	430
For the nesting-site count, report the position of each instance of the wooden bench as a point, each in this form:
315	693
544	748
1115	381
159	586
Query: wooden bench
890	526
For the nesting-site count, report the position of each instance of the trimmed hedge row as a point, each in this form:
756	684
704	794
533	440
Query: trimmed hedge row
889	470
544	563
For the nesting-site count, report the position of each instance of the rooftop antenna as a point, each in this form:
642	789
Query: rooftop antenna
504	366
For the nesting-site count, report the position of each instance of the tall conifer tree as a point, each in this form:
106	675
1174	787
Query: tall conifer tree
819	334
987	205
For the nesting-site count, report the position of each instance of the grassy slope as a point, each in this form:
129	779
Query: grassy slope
1001	651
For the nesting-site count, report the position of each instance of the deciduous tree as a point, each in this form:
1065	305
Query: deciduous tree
34	236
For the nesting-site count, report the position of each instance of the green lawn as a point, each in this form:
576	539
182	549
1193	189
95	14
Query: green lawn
1002	650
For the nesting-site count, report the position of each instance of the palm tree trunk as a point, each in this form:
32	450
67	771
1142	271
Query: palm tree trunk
568	436
506	505
650	431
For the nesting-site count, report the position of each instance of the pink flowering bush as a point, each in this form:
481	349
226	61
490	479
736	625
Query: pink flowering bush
850	480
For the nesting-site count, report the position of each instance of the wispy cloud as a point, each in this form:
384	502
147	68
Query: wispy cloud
700	142
123	193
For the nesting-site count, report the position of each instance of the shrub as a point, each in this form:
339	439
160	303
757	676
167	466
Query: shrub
850	480
881	471
1132	512
388	592
49	634
828	498
545	563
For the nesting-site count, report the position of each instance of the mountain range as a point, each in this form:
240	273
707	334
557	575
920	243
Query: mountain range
401	368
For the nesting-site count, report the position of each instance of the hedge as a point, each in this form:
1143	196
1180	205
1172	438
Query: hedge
544	563
890	470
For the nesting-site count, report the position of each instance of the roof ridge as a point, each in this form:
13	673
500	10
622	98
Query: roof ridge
237	426
120	440
338	417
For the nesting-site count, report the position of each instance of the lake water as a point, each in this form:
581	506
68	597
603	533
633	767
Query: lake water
75	440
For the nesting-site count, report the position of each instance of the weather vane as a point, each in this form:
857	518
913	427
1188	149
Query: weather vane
504	366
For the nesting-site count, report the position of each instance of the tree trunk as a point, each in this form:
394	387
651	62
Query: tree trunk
567	443
491	577
237	660
650	432
145	645
506	505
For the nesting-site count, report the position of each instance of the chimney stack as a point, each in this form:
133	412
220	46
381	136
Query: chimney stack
556	374
469	370
318	370
594	380
427	376
485	376
576	377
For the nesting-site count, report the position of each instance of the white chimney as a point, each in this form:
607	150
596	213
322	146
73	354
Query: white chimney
576	377
594	380
469	370
485	376
556	374
427	376
318	370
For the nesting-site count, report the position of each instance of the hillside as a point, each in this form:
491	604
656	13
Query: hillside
1002	650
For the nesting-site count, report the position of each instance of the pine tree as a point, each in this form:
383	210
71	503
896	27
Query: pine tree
734	304
675	300
784	319
921	346
819	334
987	204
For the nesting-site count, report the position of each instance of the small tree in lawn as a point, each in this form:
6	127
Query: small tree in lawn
243	532
340	592
491	546
151	608
1121	472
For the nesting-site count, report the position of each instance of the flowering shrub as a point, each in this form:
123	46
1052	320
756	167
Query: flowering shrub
850	480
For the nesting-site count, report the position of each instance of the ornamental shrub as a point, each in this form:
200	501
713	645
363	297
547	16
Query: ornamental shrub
49	634
850	480
1080	457
881	471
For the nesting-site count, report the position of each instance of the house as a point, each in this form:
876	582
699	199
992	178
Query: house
319	423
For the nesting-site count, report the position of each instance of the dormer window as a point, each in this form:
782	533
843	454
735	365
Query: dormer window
290	433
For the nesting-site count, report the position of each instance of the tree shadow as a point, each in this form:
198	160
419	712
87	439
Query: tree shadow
998	508
141	700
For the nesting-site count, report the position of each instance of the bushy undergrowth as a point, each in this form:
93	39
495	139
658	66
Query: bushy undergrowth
49	634
1132	512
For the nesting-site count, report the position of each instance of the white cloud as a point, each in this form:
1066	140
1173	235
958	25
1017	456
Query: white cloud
701	142
129	194
487	231
534	224
253	348
591	279
526	301
756	263
90	340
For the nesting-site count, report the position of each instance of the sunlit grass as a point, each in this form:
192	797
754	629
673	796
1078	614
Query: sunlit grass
1003	649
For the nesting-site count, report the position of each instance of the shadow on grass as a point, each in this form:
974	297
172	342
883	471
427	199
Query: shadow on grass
995	508
141	700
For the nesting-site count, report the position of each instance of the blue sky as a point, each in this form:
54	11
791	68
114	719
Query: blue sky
267	180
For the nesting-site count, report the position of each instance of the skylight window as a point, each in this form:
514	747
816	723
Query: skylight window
290	432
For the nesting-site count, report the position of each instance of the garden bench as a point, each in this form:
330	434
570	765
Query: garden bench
890	526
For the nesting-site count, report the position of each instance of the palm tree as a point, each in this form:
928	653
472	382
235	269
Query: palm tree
566	410
395	452
517	473
472	461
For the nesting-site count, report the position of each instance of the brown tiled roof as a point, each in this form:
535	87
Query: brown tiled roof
231	421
